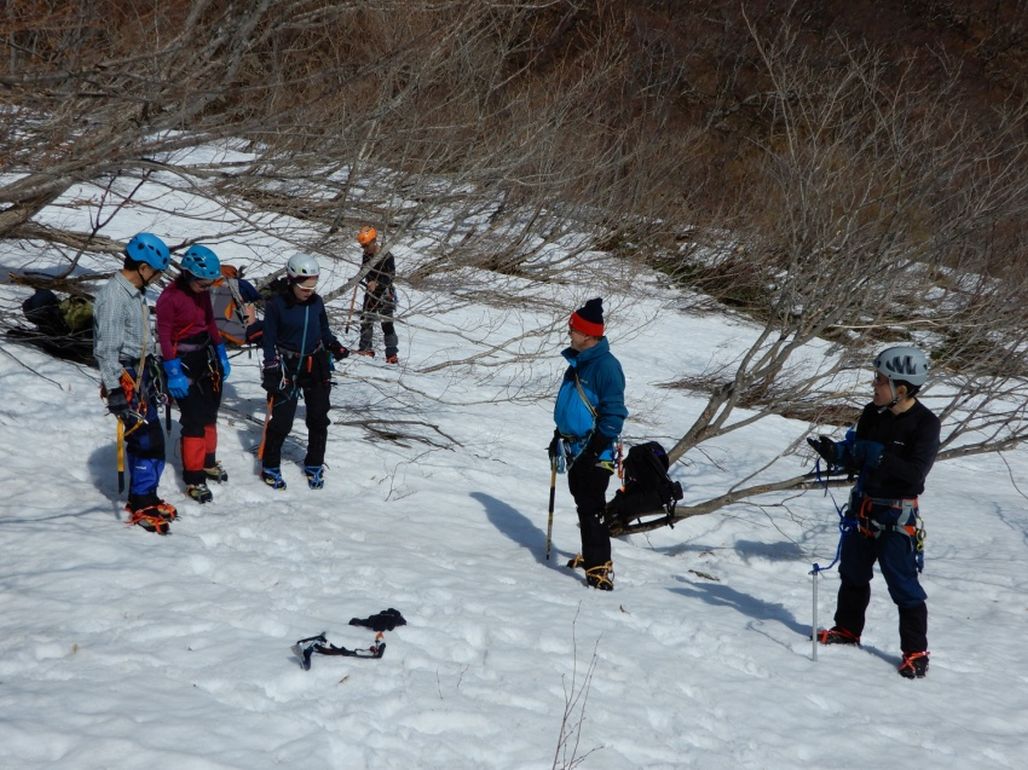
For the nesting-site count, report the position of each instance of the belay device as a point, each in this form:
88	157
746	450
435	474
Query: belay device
647	489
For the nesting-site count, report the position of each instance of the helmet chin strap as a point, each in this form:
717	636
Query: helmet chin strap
146	281
895	398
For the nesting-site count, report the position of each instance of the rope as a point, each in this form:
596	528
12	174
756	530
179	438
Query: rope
846	524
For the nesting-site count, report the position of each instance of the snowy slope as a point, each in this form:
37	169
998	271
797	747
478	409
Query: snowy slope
121	649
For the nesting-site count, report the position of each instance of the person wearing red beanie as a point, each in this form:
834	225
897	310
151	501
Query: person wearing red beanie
589	414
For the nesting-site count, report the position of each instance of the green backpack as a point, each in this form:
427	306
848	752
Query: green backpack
77	313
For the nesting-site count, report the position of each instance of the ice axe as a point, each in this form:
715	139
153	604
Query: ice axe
549	518
353	303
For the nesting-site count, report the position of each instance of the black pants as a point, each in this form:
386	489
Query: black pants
588	485
199	413
379	306
312	377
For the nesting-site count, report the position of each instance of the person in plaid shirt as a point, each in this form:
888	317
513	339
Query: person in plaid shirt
130	375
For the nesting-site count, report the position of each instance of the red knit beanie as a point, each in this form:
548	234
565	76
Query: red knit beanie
589	318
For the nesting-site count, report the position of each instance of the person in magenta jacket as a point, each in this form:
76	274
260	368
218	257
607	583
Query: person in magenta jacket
196	365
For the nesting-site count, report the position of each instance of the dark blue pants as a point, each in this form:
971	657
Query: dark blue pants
896	557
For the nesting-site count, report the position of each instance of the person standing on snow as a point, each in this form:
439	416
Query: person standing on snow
130	376
379	297
892	449
297	344
589	413
196	365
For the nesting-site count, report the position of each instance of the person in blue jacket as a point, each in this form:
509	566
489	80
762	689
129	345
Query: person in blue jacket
589	414
297	344
892	450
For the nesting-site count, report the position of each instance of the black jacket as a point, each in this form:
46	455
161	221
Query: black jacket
382	273
911	441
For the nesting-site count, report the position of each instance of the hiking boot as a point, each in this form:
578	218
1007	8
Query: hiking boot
837	635
914	665
576	561
165	510
160	509
601	577
393	359
315	476
149	519
200	492
216	472
368	353
273	478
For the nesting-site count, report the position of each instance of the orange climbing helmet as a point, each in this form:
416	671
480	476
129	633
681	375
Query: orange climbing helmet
366	235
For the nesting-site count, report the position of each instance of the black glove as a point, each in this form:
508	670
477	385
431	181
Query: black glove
591	454
554	448
386	620
338	351
118	405
272	380
825	447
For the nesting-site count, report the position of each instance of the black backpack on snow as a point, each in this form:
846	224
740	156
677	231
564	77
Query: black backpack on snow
647	487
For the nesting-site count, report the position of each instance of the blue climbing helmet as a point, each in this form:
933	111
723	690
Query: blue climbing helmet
148	248
202	263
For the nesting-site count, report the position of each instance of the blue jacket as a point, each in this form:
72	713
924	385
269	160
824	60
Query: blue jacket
286	320
603	383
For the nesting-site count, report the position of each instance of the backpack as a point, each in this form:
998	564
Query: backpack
647	487
77	313
227	311
64	328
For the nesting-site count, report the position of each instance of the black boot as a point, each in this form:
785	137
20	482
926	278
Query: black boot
914	665
601	577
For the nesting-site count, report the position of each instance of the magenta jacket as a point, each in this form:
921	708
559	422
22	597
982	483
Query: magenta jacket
182	315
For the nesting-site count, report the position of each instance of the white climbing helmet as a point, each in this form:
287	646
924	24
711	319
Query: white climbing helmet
904	363
302	266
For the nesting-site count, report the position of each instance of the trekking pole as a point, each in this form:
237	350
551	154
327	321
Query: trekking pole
121	456
553	491
353	303
816	571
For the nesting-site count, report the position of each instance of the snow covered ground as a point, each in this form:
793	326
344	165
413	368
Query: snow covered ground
123	649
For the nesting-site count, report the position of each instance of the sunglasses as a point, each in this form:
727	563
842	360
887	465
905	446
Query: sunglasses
202	284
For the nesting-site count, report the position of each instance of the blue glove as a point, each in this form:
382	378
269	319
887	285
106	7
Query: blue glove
867	454
226	367
178	383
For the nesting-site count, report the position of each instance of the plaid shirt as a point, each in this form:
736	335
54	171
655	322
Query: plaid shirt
121	328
